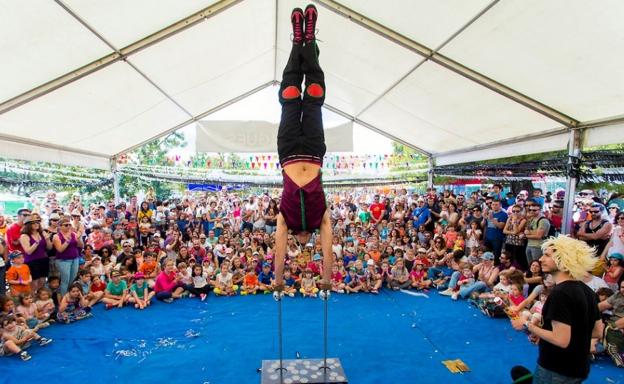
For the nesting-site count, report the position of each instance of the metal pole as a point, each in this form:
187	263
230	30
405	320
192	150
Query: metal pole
281	369
573	166
115	179
430	173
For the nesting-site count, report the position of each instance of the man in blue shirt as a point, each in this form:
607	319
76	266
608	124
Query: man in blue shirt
422	214
494	224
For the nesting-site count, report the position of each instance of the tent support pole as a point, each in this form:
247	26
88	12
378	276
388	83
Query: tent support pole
430	173
114	171
573	168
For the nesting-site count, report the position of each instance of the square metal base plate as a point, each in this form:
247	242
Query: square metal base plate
303	371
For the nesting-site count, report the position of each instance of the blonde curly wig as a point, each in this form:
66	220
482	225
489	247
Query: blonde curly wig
572	256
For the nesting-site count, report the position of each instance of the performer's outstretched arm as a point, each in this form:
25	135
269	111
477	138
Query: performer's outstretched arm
281	240
326	245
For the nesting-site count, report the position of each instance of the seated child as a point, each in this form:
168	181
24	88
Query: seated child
28	309
140	293
97	285
84	278
250	282
373	277
353	283
418	276
223	282
466	277
337	280
54	285
167	286
44	302
308	284
116	292
265	278
150	268
16	338
200	287
73	306
289	283
97	268
400	276
535	313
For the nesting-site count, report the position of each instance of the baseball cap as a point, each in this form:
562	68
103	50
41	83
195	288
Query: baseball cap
15	255
422	250
370	262
487	256
266	265
616	255
139	275
55	216
316	257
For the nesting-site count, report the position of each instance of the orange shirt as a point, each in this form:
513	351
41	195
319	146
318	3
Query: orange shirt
375	255
17	272
250	280
148	267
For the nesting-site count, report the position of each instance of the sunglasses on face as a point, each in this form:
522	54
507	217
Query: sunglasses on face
65	225
515	211
557	206
595	212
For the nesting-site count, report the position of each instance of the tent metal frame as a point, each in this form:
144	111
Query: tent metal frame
568	123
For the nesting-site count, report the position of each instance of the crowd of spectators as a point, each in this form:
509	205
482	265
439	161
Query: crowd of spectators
58	261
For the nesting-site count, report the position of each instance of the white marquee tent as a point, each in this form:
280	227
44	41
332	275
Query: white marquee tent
83	81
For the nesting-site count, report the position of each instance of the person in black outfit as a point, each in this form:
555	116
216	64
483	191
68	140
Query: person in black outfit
570	317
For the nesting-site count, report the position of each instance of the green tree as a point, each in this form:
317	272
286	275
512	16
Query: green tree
153	153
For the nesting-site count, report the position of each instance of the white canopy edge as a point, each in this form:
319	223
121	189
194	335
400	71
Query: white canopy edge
554	141
14	149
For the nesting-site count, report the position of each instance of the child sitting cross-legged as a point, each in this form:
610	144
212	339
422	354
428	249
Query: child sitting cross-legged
223	282
140	293
16	338
418	276
289	283
116	293
28	309
353	283
250	282
337	279
308	284
74	306
265	278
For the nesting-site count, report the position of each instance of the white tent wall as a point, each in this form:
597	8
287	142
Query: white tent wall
38	152
444	76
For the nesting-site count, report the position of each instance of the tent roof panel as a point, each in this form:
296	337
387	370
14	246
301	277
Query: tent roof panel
358	65
551	50
40	42
123	22
471	114
201	76
416	21
85	113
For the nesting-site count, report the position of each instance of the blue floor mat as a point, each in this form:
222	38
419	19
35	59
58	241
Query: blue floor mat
392	337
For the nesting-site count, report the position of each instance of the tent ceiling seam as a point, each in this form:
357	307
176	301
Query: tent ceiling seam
124	58
444	43
41	144
200	116
449	63
113	57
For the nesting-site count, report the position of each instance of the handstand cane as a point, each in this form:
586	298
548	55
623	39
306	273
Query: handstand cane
325	367
281	369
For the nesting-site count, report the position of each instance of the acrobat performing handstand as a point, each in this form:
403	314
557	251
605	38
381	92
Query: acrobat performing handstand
301	147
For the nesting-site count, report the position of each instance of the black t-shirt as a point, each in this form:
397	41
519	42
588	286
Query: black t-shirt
575	304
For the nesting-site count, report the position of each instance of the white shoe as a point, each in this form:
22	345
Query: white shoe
324	295
291	294
277	295
454	296
446	292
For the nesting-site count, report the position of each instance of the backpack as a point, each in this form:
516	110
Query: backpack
552	232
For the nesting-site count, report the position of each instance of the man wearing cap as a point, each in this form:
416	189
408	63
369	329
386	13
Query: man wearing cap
570	316
15	231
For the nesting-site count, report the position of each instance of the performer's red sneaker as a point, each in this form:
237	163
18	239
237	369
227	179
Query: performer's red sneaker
311	14
296	19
